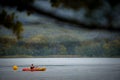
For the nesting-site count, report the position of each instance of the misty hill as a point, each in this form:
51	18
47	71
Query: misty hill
56	39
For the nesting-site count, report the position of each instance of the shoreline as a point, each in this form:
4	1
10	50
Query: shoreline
52	56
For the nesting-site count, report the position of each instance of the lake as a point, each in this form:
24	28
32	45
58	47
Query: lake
61	69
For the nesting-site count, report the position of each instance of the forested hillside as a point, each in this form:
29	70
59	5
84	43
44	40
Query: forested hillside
51	39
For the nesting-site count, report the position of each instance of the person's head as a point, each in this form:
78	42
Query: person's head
32	64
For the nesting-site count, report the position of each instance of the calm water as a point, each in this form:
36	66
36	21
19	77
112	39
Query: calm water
62	69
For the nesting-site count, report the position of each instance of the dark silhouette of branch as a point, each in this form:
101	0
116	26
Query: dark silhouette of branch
27	5
71	21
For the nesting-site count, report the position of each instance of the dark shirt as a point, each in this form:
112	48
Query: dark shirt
32	67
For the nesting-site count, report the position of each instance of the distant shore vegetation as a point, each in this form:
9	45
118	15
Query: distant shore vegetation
39	46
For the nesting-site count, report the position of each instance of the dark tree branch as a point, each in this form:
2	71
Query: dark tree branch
27	5
71	21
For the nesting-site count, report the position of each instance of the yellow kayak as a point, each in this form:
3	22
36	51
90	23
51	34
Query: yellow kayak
35	69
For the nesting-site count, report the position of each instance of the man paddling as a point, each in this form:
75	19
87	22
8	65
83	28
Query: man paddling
32	66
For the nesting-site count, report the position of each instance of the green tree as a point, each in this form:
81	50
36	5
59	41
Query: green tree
62	50
112	48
